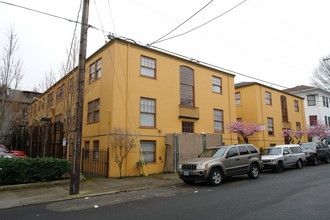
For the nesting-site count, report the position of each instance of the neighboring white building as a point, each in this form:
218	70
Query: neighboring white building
317	103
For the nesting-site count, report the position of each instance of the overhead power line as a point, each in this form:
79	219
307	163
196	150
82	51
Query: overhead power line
183	22
73	40
45	13
203	23
227	70
219	68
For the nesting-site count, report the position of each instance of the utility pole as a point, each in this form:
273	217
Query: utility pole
75	167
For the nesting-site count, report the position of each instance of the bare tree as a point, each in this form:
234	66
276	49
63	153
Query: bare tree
11	66
67	105
121	144
45	109
321	74
47	81
10	77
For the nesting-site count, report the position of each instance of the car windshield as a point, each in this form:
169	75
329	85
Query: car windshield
272	151
213	152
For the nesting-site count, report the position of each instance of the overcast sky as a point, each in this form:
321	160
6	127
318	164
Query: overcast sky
280	41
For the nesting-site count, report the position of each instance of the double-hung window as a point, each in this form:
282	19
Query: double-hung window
311	100
93	111
50	99
148	151
60	93
188	126
270	125
86	150
148	67
218	120
147	112
312	120
95	70
216	84
96	150
296	106
325	101
268	98
237	98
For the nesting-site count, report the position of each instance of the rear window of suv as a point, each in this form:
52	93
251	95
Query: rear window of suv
252	149
307	145
295	150
243	150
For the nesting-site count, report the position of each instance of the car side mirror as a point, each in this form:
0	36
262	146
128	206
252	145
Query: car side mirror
285	152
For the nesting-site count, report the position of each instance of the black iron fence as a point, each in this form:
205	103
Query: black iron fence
95	163
46	140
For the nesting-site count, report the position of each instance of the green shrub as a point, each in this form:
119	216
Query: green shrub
27	170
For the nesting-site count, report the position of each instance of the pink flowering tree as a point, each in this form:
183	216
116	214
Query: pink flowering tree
291	135
244	129
320	130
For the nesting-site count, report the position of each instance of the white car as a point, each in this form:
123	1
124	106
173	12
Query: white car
281	156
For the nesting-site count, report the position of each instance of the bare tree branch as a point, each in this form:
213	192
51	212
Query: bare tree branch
10	77
122	142
321	75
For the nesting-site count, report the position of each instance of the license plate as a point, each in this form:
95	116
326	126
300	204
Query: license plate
186	173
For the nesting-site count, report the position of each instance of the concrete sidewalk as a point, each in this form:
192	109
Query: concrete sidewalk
36	193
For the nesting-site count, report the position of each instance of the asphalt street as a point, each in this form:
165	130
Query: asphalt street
294	194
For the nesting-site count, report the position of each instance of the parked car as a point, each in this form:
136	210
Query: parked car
7	155
282	156
17	153
216	163
315	152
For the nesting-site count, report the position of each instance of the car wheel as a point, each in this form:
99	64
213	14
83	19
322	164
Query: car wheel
299	164
189	182
279	168
327	159
315	161
215	177
254	171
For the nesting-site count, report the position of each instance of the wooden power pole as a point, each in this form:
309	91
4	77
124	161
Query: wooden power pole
75	167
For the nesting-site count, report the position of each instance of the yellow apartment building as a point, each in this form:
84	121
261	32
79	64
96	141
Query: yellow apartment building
274	110
147	92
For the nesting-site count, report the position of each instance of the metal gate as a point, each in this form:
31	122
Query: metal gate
95	163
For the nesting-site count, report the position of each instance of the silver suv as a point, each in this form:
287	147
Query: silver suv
216	163
282	156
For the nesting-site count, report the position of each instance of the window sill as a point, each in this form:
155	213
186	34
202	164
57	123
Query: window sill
148	77
90	123
93	81
147	127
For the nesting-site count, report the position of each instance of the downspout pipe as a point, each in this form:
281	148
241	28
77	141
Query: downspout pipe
175	152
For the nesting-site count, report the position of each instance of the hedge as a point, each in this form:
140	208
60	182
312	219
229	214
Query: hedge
29	170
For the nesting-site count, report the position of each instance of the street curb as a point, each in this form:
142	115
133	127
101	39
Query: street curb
37	184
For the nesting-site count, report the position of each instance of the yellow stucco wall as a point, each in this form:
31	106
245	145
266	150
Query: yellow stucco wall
254	109
121	86
121	93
